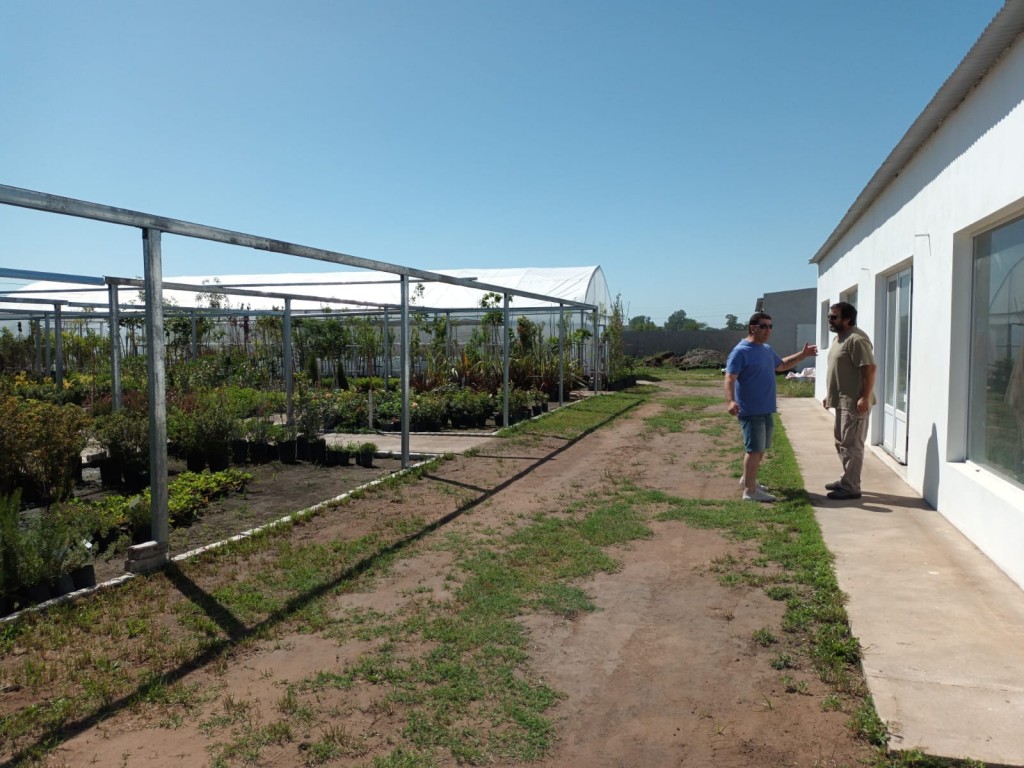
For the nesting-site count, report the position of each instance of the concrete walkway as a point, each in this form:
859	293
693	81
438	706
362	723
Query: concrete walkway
942	628
421	444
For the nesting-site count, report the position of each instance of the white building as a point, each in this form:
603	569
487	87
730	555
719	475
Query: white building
932	255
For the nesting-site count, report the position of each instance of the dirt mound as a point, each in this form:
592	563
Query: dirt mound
695	358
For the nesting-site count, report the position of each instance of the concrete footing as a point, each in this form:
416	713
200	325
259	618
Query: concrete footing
146	557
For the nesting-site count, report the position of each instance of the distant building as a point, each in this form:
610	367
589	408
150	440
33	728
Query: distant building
793	318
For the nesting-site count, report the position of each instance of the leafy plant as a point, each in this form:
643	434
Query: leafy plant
125	435
10	541
55	436
205	424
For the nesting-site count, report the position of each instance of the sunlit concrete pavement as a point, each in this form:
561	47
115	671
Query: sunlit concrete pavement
942	628
421	445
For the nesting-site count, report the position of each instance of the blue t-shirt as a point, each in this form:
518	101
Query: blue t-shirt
754	367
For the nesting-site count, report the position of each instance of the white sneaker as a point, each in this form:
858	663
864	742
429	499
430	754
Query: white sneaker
758	495
757	486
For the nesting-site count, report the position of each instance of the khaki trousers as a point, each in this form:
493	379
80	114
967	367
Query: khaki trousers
851	432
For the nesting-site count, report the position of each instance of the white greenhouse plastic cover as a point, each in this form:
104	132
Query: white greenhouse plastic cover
581	284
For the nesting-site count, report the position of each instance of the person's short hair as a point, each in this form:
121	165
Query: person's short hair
757	317
846	311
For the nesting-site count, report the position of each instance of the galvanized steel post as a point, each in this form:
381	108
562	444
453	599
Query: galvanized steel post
289	381
386	343
561	353
504	361
406	368
115	346
157	388
46	345
58	370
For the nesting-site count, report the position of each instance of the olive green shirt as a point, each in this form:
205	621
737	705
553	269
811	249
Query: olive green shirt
845	359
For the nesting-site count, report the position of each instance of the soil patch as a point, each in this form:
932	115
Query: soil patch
665	673
275	491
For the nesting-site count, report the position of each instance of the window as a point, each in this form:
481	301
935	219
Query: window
995	420
850	296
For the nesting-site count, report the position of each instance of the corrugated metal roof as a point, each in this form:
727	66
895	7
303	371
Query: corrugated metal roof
1000	35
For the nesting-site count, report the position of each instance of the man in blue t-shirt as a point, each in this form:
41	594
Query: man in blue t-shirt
750	395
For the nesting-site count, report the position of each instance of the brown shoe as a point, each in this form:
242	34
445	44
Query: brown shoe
834	486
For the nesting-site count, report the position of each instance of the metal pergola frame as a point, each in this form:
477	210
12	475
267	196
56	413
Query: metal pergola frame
155	553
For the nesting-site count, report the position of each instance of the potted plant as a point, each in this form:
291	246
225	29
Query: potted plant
184	427
239	450
10	537
35	587
78	565
365	453
57	434
286	443
339	455
204	430
518	405
258	434
42	551
537	401
125	436
309	418
318	451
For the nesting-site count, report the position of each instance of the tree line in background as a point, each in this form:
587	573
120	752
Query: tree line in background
678	321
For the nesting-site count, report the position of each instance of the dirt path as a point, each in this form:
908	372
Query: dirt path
665	673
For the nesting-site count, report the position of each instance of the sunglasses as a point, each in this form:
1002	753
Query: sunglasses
765	325
833	317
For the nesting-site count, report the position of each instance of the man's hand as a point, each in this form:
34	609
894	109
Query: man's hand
863	405
810	350
733	407
824	403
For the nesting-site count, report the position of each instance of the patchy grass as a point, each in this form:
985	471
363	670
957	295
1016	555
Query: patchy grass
454	672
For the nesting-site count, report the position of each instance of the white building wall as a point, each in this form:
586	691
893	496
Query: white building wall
966	179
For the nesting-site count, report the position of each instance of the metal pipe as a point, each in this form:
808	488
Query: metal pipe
115	347
46	346
289	381
385	340
505	361
406	369
157	388
26	198
58	335
561	354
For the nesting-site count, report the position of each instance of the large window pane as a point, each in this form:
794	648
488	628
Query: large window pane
996	407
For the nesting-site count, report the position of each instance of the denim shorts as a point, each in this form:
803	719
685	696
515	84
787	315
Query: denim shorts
757	432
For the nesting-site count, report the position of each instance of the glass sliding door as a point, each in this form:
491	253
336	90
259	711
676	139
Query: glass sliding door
896	371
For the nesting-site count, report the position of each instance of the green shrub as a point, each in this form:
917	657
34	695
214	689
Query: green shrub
125	435
350	411
49	439
204	423
10	541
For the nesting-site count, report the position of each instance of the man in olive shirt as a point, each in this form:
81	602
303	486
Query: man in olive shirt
851	384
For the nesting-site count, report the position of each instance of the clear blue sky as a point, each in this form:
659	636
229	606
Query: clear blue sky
699	152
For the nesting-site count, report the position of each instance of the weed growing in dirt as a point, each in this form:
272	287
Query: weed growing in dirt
130	646
453	671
